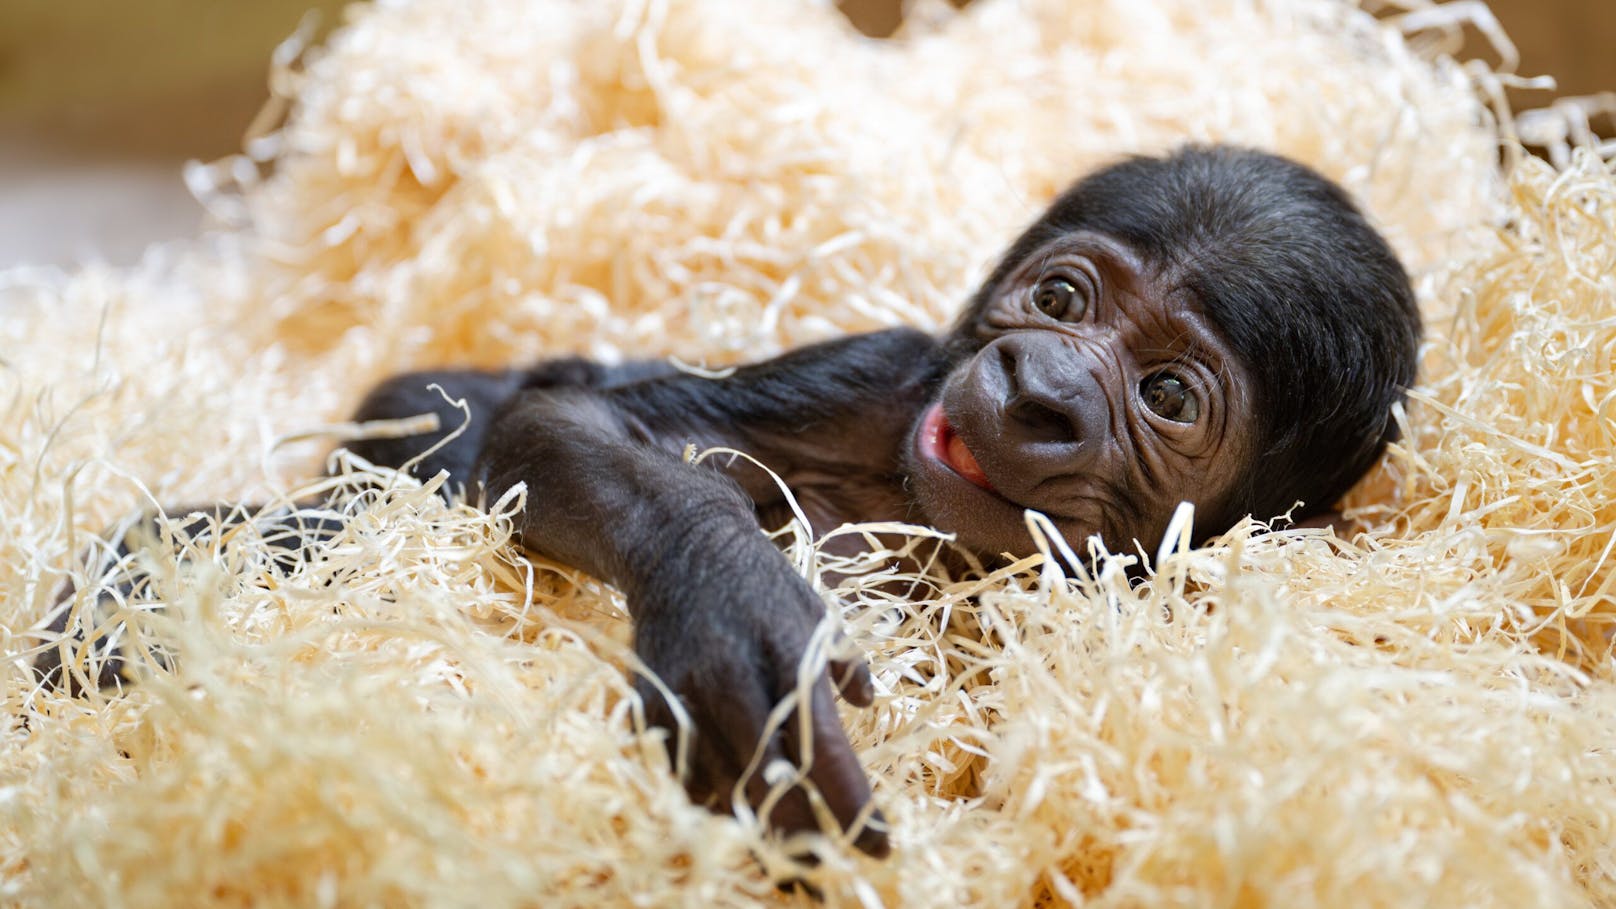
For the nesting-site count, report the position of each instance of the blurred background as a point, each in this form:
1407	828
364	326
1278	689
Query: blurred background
101	103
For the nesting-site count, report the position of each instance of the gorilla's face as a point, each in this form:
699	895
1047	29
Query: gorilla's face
1098	394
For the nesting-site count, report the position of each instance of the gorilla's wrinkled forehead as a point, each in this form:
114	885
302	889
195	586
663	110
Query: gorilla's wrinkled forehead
1304	290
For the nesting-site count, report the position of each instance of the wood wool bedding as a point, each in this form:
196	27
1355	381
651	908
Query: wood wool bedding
1418	716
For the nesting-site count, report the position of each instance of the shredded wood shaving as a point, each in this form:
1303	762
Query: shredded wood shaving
418	715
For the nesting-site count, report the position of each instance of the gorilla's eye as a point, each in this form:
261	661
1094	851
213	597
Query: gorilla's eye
1059	298
1168	396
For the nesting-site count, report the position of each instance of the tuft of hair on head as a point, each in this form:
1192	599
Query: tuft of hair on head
1305	291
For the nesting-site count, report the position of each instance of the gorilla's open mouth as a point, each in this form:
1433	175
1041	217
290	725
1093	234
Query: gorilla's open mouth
938	439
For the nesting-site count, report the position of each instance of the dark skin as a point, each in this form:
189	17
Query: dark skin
1217	327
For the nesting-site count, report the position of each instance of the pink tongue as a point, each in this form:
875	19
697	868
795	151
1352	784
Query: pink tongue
961	459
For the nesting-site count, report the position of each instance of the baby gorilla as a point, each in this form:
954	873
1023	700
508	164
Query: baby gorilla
1218	326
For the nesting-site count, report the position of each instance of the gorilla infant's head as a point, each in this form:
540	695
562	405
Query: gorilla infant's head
1219	326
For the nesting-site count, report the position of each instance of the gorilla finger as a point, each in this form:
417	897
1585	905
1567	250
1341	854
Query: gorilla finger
711	781
739	723
709	770
837	774
734	719
791	811
852	678
661	714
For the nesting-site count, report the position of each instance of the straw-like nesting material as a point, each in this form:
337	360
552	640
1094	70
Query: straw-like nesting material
1422	716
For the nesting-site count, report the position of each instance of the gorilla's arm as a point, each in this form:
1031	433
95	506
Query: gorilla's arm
719	614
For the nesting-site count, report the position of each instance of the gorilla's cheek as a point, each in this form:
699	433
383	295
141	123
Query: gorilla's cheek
954	492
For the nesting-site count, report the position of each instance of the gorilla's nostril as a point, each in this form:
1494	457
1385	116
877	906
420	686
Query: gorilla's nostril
1040	419
1007	360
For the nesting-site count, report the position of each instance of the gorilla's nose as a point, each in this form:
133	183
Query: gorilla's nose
1042	421
1047	399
